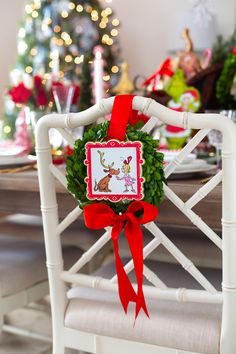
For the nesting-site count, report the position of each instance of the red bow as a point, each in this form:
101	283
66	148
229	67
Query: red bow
100	215
164	69
129	158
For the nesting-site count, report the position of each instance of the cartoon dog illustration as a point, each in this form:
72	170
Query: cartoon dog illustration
103	184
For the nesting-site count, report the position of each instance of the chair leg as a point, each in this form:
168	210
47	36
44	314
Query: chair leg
1	322
58	349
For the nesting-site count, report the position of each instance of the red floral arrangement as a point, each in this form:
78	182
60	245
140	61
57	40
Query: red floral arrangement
34	91
20	93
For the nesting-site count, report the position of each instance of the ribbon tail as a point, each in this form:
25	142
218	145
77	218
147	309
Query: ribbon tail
141	304
126	291
136	248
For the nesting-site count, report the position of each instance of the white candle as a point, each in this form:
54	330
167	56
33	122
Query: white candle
98	74
28	81
55	63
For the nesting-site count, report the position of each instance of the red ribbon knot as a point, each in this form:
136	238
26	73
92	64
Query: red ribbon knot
98	216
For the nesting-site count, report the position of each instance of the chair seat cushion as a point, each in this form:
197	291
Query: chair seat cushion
184	326
22	264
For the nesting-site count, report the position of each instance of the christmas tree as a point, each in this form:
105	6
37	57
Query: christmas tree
225	85
54	38
85	99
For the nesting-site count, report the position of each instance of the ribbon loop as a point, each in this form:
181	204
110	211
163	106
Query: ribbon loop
100	215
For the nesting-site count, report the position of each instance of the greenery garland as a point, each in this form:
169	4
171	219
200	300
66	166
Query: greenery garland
222	47
152	169
224	83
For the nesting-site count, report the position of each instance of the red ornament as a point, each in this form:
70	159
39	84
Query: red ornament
37	82
20	93
40	93
234	50
173	129
68	150
165	69
41	98
135	118
76	94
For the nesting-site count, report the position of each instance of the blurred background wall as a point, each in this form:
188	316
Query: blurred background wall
148	30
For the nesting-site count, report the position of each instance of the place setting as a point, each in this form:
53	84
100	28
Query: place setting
192	166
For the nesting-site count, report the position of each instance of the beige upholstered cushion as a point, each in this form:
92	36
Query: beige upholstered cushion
22	264
185	326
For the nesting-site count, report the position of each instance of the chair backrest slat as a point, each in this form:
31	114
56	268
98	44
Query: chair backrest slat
204	190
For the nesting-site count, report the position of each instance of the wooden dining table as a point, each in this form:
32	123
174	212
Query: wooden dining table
19	193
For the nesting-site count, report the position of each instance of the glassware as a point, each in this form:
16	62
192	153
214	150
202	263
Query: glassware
63	97
215	136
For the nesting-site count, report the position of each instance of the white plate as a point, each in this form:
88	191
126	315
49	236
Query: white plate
206	168
169	155
190	169
192	166
10	151
16	160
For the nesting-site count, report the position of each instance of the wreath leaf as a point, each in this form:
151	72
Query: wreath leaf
152	169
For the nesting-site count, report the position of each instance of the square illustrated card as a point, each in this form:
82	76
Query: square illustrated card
114	170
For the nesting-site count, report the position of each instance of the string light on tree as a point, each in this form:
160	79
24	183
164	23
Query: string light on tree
79	60
115	69
29	69
64	14
33	51
79	8
37	4
28	9
114	32
68	58
73	28
115	22
71	6
35	14
57	29
89	9
21	33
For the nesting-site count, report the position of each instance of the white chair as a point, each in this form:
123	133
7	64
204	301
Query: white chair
182	320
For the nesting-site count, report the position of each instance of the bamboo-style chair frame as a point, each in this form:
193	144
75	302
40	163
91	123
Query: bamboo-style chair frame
58	278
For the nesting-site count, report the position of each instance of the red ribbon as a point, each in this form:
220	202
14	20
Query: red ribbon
122	114
98	216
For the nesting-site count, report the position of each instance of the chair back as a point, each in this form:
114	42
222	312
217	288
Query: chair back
49	173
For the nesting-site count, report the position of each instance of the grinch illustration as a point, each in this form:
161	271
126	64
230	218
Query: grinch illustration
128	180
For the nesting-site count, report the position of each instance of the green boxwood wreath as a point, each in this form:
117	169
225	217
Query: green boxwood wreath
152	169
